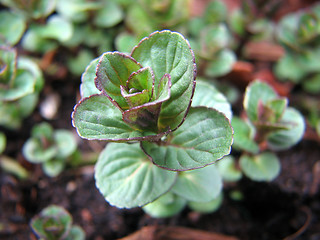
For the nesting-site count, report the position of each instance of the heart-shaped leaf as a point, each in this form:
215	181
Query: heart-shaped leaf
200	185
97	118
263	167
169	52
205	137
126	177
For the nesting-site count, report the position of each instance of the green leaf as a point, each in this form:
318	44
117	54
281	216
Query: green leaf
126	177
215	12
34	152
222	64
228	169
76	10
145	116
257	92
65	143
262	167
52	223
12	166
244	136
200	185
167	205
56	28
24	84
277	106
8	59
208	96
96	118
109	15
76	233
215	38
284	139
78	64
125	42
207	207
288	68
12	27
54	167
88	86
113	70
32	8
3	142
169	53
205	137
312	85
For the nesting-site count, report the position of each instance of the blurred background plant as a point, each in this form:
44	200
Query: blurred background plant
46	45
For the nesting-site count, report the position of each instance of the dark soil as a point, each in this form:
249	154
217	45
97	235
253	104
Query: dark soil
287	208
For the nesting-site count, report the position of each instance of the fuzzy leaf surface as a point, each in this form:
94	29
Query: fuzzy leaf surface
126	178
96	118
169	53
205	137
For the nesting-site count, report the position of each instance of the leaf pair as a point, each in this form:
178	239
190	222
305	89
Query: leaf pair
143	96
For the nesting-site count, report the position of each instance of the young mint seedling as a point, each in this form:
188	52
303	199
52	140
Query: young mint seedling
269	122
55	223
146	97
50	148
20	83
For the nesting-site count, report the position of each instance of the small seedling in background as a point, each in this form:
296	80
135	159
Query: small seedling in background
49	147
146	98
299	34
20	83
270	125
55	223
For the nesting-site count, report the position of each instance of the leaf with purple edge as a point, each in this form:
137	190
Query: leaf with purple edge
169	52
204	137
113	70
146	115
96	118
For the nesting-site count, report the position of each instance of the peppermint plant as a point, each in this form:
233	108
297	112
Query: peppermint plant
56	223
145	99
270	126
49	147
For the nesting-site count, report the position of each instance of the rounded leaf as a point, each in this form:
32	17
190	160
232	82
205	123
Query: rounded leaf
167	205
126	178
65	143
169	52
263	167
200	185
204	137
228	169
34	152
222	64
207	95
88	86
12	27
206	207
96	118
284	139
53	168
257	91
